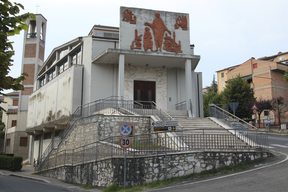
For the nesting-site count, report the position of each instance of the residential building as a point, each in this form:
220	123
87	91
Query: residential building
266	78
15	140
135	62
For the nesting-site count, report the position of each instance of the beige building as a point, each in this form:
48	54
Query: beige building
16	140
265	76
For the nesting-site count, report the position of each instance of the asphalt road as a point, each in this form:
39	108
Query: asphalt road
15	184
269	176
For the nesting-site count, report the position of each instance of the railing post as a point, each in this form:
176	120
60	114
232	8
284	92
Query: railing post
72	157
65	158
56	160
83	154
165	158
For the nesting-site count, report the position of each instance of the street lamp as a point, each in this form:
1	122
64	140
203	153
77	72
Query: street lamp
277	106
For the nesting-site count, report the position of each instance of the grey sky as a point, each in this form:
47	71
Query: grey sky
225	32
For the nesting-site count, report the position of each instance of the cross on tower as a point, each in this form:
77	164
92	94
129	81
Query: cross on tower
37	8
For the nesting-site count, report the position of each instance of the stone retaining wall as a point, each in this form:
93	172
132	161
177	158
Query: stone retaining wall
147	169
98	127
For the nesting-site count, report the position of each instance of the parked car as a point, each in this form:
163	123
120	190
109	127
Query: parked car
239	127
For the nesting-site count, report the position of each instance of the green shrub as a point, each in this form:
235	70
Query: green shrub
10	163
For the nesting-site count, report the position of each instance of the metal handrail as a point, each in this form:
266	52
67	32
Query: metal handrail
178	106
155	143
227	115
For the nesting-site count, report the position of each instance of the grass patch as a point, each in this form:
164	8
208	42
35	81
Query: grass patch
87	187
145	186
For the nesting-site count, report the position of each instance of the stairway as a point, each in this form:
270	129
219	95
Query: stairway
203	132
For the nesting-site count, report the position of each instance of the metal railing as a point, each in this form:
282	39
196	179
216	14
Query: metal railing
181	106
225	116
113	105
155	144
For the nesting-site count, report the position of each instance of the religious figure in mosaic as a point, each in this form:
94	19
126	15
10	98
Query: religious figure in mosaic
148	44
181	22
128	16
159	29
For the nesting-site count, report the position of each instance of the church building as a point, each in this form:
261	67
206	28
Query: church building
148	58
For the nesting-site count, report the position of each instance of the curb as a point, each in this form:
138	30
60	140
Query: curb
26	177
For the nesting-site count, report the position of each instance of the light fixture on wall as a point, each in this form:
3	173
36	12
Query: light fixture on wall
146	65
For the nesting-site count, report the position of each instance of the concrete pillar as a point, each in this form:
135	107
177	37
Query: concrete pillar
188	82
121	75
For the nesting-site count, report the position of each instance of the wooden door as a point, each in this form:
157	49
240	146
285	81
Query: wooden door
144	91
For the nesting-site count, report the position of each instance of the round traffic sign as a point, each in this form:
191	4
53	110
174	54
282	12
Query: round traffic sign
125	129
125	142
255	111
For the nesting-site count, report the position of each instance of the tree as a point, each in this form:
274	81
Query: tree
261	105
211	96
10	24
279	106
238	90
285	76
2	126
214	86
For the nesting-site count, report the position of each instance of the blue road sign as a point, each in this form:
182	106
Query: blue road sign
233	106
125	129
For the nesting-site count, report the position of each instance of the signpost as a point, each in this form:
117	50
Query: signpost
125	142
233	106
254	108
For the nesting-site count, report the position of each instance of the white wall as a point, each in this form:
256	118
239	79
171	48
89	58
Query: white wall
54	100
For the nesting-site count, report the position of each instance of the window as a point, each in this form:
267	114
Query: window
57	133
51	75
99	34
37	137
63	66
108	35
76	57
47	136
8	142
222	75
254	65
14	123
23	141
223	84
15	102
42	82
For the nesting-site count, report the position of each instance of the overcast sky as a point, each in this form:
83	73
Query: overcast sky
224	32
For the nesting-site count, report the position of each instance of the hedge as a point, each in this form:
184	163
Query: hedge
10	163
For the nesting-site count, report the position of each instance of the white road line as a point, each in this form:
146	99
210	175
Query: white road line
282	146
203	181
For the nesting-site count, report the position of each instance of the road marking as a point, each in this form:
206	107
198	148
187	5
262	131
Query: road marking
203	181
282	146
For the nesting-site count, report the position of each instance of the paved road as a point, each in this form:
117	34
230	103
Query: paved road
15	184
271	176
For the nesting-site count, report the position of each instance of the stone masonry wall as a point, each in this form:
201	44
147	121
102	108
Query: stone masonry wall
147	169
98	127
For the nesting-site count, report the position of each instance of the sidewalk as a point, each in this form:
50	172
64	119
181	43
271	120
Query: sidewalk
28	170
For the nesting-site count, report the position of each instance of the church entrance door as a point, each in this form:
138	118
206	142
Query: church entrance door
144	92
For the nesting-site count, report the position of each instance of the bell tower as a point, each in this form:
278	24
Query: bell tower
32	60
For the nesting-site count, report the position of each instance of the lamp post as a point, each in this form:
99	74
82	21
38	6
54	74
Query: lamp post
277	106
